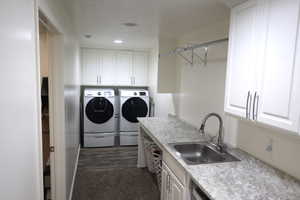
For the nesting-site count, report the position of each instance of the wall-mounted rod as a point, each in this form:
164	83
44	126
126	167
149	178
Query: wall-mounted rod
196	46
179	51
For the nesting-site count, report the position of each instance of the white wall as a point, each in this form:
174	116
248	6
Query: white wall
69	87
163	101
255	139
201	88
20	143
167	73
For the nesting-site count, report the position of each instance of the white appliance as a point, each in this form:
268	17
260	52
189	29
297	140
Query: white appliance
99	123
134	103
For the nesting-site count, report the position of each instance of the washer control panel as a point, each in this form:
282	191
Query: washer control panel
133	93
99	93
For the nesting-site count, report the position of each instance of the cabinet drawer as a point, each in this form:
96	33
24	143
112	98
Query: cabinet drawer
174	166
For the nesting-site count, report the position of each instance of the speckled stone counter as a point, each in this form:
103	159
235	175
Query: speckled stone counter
249	179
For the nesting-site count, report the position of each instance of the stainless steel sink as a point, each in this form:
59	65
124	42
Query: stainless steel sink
201	153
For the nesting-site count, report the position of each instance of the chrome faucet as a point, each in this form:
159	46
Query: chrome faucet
219	146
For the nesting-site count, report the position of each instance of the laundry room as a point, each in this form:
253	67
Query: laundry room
150	100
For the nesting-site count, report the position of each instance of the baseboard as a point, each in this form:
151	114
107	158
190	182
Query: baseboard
74	174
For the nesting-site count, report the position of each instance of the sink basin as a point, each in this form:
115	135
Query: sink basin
201	153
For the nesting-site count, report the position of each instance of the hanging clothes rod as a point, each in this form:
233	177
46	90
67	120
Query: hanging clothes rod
196	46
179	51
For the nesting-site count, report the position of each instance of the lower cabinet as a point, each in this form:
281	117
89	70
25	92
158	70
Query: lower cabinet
172	188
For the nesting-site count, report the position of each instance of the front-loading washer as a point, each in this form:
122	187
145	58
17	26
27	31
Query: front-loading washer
99	123
134	103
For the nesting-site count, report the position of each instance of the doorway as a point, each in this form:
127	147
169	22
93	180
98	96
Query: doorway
46	80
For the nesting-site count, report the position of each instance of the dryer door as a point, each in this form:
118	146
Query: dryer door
99	110
134	107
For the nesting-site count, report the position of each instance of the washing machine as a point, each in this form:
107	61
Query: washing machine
133	104
99	125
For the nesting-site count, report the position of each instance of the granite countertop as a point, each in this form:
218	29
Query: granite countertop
249	179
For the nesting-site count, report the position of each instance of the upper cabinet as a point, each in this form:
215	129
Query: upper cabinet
140	68
263	73
90	66
107	67
240	59
123	73
113	67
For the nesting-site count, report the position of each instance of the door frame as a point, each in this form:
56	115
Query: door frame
56	105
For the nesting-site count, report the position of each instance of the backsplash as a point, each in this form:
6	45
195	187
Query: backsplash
277	148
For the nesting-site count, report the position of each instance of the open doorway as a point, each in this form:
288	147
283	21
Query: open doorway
46	58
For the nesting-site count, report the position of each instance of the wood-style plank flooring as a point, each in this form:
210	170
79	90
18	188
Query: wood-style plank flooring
111	174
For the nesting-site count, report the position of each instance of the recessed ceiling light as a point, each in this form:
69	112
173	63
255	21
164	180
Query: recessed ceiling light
118	41
130	24
88	36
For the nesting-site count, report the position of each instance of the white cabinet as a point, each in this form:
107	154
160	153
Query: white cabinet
171	189
112	67
90	66
124	68
140	68
271	73
240	78
165	178
107	68
278	100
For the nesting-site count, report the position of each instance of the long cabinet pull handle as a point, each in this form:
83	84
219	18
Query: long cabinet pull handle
97	80
250	105
254	104
247	104
256	107
169	182
168	178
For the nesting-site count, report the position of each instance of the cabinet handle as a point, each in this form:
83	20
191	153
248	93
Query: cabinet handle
256	114
133	80
97	80
100	80
247	104
168	182
250	104
253	110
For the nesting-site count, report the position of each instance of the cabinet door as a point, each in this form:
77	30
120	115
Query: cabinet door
90	66
123	73
280	87
240	78
108	67
165	180
140	68
177	191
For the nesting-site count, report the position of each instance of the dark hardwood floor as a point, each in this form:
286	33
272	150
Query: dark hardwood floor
111	174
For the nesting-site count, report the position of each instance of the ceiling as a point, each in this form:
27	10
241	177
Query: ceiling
103	19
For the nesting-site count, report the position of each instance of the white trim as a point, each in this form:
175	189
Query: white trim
40	189
74	173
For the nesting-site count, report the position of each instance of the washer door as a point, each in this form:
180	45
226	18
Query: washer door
134	107
99	110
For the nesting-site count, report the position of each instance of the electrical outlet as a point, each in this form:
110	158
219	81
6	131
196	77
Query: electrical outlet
269	148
